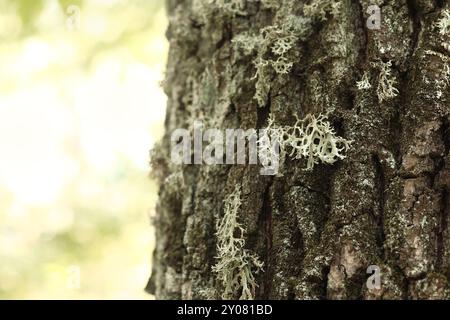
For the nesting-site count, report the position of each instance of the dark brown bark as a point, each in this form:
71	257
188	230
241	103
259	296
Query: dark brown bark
317	231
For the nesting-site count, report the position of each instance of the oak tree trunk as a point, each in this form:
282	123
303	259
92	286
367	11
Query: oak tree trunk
386	204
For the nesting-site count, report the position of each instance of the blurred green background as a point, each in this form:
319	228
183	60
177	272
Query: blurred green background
80	107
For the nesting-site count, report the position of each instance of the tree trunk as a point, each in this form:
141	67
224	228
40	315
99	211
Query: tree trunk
316	231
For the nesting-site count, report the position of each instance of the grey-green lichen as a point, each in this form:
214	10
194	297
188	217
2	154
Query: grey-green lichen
315	140
246	43
311	138
236	266
364	83
443	24
316	85
386	89
262	84
275	44
319	9
442	81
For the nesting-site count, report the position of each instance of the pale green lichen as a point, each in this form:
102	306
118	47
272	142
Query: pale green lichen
438	54
282	65
311	138
274	42
442	82
443	24
446	72
262	84
236	266
283	44
315	140
246	43
270	4
232	7
208	293
386	81
270	145
301	26
364	83
277	41
319	9
204	8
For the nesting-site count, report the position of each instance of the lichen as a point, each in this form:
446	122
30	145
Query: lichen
282	65
301	26
443	24
364	83
275	44
236	266
246	43
283	45
314	139
262	84
232	7
310	138
442	81
319	9
386	89
270	145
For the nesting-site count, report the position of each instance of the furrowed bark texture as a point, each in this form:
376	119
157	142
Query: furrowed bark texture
386	204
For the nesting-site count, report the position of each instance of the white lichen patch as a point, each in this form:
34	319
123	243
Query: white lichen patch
236	266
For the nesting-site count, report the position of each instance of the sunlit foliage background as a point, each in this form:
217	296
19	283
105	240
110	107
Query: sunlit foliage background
79	110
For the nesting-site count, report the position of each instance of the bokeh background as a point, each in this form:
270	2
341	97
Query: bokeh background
80	107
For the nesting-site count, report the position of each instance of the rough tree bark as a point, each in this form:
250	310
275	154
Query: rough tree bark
316	231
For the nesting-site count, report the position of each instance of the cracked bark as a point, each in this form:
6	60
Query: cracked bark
386	204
